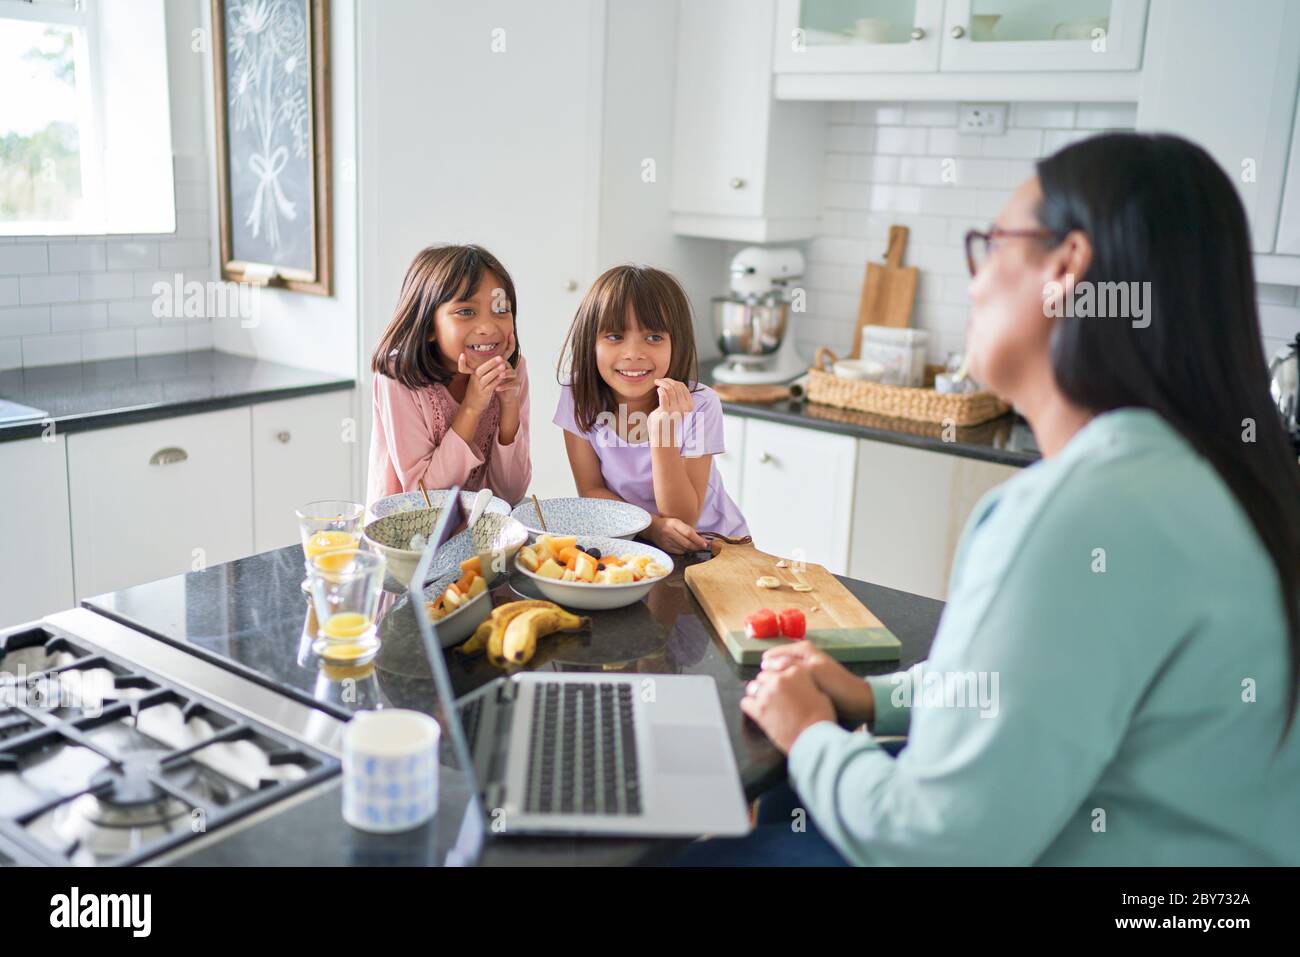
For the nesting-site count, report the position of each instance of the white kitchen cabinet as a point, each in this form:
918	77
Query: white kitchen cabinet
745	166
1042	35
910	506
159	498
797	492
302	452
858	36
36	562
729	462
1225	77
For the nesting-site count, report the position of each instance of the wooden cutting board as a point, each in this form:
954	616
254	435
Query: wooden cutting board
838	623
733	392
888	290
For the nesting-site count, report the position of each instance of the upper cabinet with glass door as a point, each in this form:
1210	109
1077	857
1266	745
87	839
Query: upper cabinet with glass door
1043	35
858	36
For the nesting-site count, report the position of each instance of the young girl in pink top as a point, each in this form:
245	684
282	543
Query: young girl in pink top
451	389
638	424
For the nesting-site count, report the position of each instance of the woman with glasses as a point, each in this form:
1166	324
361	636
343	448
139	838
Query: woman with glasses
1130	600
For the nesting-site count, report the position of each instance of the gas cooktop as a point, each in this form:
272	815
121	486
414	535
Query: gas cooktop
115	748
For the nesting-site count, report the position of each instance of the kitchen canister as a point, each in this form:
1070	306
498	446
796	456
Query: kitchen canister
390	770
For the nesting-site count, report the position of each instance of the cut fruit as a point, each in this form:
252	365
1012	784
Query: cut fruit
549	569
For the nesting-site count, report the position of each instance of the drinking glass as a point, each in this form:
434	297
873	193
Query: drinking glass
345	586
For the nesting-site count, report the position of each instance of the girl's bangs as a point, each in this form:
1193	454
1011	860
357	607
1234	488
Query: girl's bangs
625	295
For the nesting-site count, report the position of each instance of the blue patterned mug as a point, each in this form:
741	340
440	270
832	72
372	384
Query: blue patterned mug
390	770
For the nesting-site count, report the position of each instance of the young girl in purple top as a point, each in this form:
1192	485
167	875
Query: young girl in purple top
638	426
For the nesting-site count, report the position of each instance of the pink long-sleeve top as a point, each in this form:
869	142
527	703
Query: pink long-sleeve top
412	440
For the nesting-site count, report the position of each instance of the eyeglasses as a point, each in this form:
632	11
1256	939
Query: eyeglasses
978	243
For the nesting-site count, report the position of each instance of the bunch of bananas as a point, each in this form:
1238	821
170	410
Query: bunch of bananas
509	635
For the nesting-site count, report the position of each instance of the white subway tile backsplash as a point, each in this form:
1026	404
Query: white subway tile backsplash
24	321
198	335
132	254
155	340
79	317
132	312
906	164
901	139
1014	144
108	344
106	285
77	257
8	292
38	290
1106	116
21	258
183	254
11	353
51	350
948	142
1043	116
848	139
930	114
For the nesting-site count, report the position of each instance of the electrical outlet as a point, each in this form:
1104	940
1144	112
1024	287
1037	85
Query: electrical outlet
986	119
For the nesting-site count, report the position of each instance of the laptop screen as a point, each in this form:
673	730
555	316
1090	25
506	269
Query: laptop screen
473	829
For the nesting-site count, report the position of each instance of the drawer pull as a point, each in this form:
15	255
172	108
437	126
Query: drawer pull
168	456
283	437
764	458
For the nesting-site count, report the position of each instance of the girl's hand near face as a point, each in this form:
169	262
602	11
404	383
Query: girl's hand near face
850	695
484	380
786	702
666	420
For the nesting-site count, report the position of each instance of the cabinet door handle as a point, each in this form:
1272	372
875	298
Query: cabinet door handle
570	285
958	32
283	437
168	456
764	458
737	183
918	33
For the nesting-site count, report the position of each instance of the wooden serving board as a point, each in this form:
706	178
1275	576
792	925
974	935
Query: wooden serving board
888	290
838	623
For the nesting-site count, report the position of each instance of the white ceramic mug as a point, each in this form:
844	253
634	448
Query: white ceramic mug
390	770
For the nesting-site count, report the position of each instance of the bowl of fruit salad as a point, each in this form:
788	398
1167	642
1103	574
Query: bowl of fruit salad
587	571
458	602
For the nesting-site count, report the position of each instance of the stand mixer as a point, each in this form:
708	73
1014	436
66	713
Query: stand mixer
752	323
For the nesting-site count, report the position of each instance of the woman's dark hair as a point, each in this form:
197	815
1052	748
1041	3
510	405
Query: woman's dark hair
660	305
1157	208
407	350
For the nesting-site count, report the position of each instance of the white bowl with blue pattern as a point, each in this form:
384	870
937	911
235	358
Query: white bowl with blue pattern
593	517
411	501
390	770
590	596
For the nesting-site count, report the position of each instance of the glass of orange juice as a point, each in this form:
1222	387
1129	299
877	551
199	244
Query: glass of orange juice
329	525
345	585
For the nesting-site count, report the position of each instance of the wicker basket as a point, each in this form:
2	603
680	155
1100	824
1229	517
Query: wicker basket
896	401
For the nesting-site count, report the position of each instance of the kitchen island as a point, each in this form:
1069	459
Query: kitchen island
251	616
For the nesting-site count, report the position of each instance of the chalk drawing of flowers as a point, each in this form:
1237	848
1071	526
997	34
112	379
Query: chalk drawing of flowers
268	46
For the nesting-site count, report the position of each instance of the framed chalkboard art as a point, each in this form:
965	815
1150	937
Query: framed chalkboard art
271	70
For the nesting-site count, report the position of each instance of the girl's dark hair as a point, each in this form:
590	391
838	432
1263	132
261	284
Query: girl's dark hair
659	303
1157	208
408	351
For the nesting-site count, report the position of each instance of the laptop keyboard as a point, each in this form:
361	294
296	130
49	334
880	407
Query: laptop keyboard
470	714
583	754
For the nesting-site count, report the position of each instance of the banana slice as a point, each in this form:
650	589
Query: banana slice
801	586
767	581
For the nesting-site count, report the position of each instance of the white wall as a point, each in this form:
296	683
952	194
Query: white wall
81	298
635	218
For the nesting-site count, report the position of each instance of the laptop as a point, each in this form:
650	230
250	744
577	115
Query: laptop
587	753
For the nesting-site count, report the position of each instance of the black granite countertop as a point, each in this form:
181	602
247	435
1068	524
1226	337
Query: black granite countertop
1006	440
95	395
252	616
